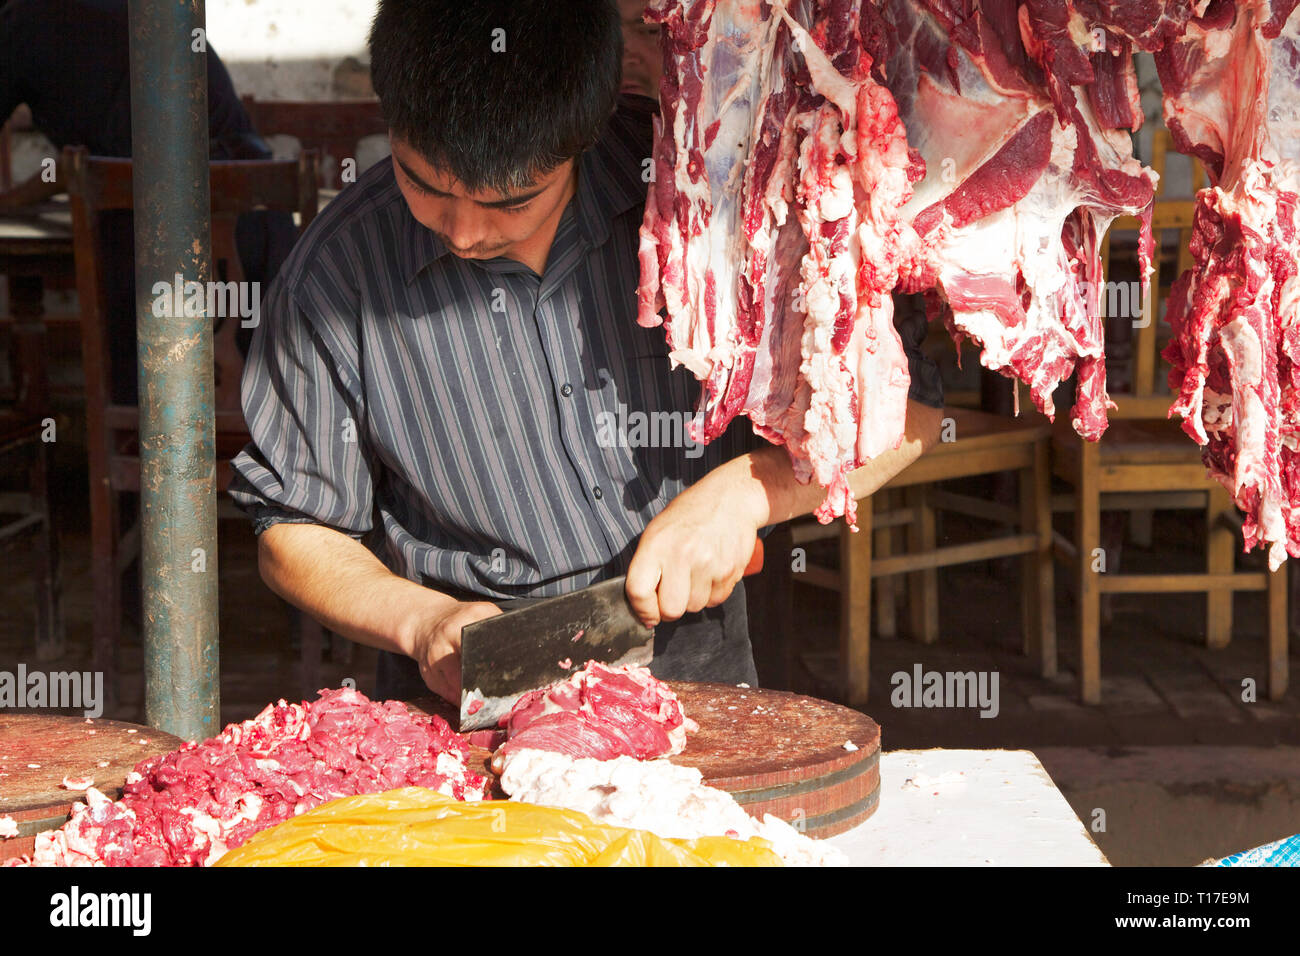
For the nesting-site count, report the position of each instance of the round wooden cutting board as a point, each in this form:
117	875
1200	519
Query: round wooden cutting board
775	752
37	751
784	754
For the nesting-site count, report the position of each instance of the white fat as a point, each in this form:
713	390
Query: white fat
210	827
450	765
654	795
1241	339
700	367
836	199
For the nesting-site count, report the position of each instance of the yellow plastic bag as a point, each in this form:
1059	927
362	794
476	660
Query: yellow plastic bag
418	827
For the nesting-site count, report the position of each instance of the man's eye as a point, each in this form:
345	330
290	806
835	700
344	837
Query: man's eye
519	208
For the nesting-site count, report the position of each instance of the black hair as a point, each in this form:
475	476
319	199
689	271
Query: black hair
496	92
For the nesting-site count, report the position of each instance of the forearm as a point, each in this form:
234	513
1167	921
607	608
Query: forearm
767	478
695	550
337	580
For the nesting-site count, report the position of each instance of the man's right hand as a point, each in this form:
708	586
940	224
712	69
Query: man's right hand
436	647
337	580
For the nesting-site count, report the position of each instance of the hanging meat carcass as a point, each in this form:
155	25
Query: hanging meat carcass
1231	85
815	156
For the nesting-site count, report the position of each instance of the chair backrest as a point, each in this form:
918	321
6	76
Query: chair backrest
98	184
333	128
1150	396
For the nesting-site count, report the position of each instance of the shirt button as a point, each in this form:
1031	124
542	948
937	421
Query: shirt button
597	492
566	389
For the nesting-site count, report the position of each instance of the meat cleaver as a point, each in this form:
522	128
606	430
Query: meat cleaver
527	648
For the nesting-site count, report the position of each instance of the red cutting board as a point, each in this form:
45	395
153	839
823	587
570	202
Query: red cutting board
775	752
64	747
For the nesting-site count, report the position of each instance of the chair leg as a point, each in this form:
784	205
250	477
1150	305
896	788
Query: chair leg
48	576
855	607
1221	542
1088	539
1112	543
923	586
1277	634
1037	573
107	627
1293	574
886	592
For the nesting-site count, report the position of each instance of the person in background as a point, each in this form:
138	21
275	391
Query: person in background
68	61
643	63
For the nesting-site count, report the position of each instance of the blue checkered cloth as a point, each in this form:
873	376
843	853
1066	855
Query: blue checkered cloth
1285	852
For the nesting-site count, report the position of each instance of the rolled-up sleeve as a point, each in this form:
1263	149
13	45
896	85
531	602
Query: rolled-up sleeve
305	413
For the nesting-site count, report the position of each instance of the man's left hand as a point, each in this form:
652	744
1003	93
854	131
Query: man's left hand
694	551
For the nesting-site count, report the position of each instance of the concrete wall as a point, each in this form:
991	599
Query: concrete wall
293	49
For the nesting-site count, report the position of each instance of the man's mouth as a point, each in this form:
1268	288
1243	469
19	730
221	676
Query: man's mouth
473	252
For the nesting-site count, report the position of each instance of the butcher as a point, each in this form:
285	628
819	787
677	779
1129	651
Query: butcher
431	389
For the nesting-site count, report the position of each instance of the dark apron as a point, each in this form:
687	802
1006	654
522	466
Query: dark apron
710	645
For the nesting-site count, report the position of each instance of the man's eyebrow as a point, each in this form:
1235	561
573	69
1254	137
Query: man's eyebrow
493	204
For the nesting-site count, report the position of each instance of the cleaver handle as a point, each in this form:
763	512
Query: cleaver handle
756	559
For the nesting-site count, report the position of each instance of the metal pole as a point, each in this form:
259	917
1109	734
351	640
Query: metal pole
169	141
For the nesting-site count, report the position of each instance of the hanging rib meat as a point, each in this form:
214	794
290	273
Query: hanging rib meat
773	231
814	157
1231	83
1026	172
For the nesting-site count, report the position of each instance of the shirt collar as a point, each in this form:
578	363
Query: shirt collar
421	246
609	184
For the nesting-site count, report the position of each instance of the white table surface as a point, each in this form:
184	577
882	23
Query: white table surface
969	808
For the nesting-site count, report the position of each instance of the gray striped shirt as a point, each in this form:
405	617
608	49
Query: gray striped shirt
510	434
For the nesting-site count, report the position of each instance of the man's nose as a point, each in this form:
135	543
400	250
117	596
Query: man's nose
463	229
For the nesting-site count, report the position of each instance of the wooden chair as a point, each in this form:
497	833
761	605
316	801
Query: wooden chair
1145	462
97	184
979	444
331	128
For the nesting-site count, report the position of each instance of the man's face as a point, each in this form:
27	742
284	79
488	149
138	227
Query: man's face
643	63
477	225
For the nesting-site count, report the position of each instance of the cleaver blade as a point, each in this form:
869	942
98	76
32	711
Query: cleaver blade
525	649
